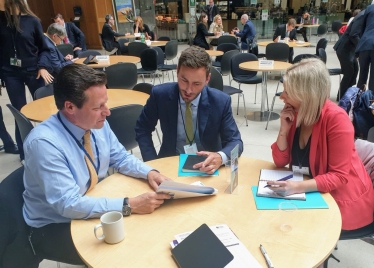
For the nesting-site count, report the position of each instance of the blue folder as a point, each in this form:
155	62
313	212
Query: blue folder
182	160
313	200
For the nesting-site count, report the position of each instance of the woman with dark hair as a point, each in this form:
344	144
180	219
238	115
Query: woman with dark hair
202	32
21	44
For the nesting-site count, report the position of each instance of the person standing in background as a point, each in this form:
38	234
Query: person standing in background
74	35
21	44
211	11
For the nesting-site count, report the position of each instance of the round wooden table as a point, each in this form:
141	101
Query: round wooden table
153	43
41	109
214	53
314	235
112	60
263	115
290	44
309	27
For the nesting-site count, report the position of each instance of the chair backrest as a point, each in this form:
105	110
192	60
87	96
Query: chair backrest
227	39
277	51
136	48
322	43
143	87
23	123
164	38
322	29
371	135
124	50
86	53
226	61
239	58
335	26
148	59
44	92
171	49
322	55
216	80
121	75
14	230
160	56
224	47
303	56
122	121
66	49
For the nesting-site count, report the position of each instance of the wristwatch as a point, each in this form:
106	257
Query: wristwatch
126	209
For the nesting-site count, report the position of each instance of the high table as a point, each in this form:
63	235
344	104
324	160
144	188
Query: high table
112	60
254	66
310	26
314	235
41	109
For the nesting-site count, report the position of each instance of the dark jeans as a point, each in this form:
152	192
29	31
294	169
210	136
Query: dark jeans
4	135
290	55
15	82
349	65
53	242
366	60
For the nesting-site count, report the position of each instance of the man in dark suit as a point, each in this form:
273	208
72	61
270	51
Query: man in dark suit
286	31
211	11
108	34
365	48
193	117
345	50
248	33
303	19
74	35
54	59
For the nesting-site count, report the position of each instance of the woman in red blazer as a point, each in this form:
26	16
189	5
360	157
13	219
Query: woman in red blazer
316	138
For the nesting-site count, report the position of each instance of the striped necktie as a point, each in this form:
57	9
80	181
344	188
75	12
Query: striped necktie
91	169
189	124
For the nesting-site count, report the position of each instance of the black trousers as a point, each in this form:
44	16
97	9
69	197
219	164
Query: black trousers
4	135
303	33
366	60
54	242
290	55
349	66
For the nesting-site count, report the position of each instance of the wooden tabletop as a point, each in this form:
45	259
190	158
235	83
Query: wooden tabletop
146	244
218	36
308	25
41	109
154	43
213	53
290	44
112	60
254	66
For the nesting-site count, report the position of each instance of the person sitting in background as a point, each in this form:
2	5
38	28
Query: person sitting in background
216	27
304	19
74	35
108	34
54	59
316	139
286	31
202	32
140	27
248	33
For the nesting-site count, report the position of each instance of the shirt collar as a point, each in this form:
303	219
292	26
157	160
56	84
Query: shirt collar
75	130
50	39
195	102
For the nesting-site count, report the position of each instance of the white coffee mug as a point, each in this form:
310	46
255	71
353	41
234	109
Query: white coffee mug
112	226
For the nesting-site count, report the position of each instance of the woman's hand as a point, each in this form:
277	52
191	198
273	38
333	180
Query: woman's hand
48	78
283	188
287	116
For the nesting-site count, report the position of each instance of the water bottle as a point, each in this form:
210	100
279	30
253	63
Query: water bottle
313	20
142	38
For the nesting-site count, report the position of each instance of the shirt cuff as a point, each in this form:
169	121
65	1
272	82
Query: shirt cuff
114	204
223	156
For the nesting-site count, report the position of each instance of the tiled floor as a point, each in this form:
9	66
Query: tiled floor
257	141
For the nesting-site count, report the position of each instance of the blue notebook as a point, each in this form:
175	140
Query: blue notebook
313	200
182	160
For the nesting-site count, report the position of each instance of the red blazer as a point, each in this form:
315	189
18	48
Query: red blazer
335	166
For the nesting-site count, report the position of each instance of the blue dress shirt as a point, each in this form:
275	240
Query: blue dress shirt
56	176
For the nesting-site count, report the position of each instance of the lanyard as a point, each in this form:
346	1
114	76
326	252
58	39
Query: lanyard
184	125
82	147
14	35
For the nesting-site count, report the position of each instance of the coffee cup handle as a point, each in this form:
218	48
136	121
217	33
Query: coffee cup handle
97	227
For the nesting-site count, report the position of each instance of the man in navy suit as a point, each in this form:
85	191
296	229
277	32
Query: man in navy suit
211	11
54	59
365	49
248	33
74	35
286	30
209	130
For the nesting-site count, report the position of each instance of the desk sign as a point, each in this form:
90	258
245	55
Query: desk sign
102	57
234	188
266	63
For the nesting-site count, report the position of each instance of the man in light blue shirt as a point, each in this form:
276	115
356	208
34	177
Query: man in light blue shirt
56	174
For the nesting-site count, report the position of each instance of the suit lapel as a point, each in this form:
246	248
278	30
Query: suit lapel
203	112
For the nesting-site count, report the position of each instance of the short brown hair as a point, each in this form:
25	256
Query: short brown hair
195	57
58	16
292	22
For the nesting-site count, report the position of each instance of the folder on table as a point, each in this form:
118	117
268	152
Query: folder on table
181	173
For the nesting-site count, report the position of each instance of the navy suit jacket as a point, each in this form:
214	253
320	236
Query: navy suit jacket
54	59
75	35
217	128
281	31
249	32
367	39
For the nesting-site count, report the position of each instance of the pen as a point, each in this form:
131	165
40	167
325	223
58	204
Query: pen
268	261
282	179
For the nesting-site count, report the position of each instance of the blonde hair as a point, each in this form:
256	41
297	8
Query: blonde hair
308	82
141	26
217	27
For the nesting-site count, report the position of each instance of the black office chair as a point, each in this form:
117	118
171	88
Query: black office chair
224	47
15	249
161	66
66	49
322	43
43	92
136	48
227	39
277	51
122	121
86	53
335	27
163	38
171	50
321	30
121	75
216	81
23	123
225	68
148	60
123	49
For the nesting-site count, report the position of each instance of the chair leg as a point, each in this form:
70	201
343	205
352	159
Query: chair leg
172	73
143	78
237	108
271	110
255	93
159	79
245	110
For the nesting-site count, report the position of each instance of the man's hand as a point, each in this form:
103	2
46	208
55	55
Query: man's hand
147	202
77	48
69	57
48	78
155	179
212	162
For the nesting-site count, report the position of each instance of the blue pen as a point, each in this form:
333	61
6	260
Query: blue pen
282	179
